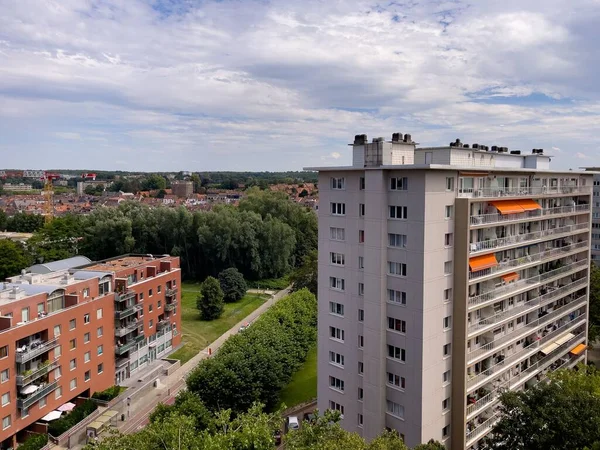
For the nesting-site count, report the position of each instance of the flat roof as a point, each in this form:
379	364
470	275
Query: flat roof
123	262
62	264
446	167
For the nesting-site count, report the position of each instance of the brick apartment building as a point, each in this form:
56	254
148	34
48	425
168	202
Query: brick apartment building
74	327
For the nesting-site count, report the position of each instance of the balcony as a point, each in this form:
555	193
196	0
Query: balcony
476	433
489	219
529	283
122	331
162	324
124	296
124	348
171	292
512	264
23	380
35	350
500	243
171	306
127	312
488	323
505	364
42	392
491	192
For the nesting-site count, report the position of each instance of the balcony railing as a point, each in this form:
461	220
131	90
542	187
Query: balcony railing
37	395
485	219
499	243
482	427
517	285
128	312
170	306
526	307
29	354
523	191
23	380
122	349
124	296
482	377
524	260
172	292
129	328
162	324
537	323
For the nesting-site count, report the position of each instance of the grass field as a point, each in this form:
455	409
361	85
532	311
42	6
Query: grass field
197	333
303	385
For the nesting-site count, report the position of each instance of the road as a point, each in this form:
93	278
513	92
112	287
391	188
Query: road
174	383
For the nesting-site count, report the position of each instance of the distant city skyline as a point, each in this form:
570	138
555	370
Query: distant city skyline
171	85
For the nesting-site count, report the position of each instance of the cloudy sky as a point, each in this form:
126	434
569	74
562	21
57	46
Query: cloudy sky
282	84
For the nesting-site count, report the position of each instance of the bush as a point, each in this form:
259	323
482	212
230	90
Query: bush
80	412
272	284
232	284
108	394
255	365
34	442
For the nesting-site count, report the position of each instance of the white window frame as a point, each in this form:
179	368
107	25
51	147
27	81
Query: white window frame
449	183
395	409
396	240
336	384
336	359
361	210
396	381
397	212
337	234
337	334
337	284
397	297
337	184
398	184
337	209
397	353
397	269
449	212
396	325
337	259
336	309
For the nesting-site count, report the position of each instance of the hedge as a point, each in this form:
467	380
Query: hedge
80	412
108	394
34	442
255	365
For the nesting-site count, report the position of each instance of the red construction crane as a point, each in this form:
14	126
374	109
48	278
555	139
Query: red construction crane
87	176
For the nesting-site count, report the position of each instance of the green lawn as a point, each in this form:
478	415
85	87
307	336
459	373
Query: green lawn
197	333
303	385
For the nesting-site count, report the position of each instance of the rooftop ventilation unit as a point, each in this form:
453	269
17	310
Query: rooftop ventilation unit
360	139
476	146
494	148
408	138
378	139
515	152
396	137
466	146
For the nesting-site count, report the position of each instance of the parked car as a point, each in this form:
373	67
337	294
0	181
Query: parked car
310	417
293	423
245	326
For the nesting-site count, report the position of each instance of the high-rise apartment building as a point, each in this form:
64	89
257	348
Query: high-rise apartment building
595	215
71	328
446	276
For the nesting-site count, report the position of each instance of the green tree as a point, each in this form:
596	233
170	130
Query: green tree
154	182
303	193
391	440
58	239
3	220
233	284
594	306
161	194
34	442
325	433
210	299
188	404
431	445
550	415
306	276
13	258
25	223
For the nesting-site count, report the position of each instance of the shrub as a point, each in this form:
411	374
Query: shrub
108	394
272	284
80	412
34	442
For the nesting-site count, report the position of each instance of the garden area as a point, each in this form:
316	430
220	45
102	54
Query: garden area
303	385
198	333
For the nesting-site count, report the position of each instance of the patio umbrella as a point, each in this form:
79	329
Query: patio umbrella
52	415
66	407
29	389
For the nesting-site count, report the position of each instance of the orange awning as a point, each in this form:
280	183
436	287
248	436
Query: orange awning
579	349
510	277
508	206
528	205
482	262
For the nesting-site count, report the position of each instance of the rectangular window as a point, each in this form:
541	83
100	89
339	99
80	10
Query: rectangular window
361	262
360	393
361	341
396	325
158	304
336	308
25	315
361	183
72	324
5	399
56	330
86	338
336	407
150	323
361	289
446	377
336	333
397	296
86	292
149	292
396	240
447	349
338	209
449	183
396	380
73	383
398	212
42	402
6	422
159	289
99	331
336	383
361	236
337	259
86	318
87	375
86	357
396	268
361	210
4	375
99	313
448	267
449	211
100	349
337	283
447	322
396	353
40	308
361	315
337	234
360	420
150	307
446	431
336	358
448	240
399	184
338	183
73	364
446	404
447	295
100	368
4	351
58	372
57	351
58	392
72	344
395	409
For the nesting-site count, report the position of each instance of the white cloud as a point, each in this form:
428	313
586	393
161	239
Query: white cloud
244	85
581	155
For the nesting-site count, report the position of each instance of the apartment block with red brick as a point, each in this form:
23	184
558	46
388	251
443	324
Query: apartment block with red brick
74	327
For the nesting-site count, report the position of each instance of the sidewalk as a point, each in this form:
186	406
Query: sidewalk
168	387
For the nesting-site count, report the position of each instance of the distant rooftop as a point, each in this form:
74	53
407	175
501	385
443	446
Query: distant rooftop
122	262
63	264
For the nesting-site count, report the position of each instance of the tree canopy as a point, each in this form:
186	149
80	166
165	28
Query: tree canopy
210	299
233	284
13	258
594	306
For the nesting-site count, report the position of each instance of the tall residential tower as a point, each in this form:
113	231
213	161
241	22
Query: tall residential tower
446	275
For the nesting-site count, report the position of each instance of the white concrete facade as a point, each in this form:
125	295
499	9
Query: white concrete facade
411	336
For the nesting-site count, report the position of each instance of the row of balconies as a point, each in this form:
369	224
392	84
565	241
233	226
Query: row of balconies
488	219
529	283
42	392
33	350
523	191
124	296
486	323
507	241
122	314
121	349
525	261
121	331
42	369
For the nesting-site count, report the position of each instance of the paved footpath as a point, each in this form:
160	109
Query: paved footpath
171	385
